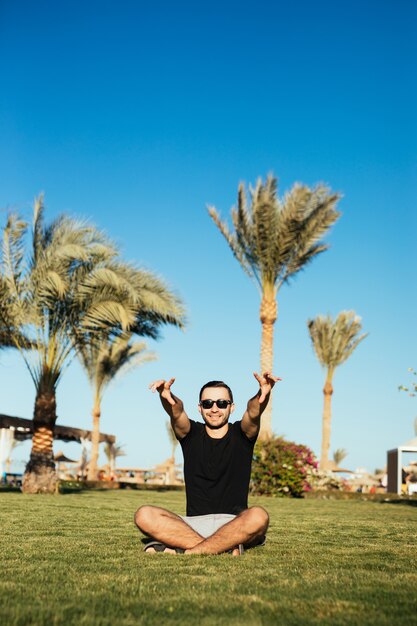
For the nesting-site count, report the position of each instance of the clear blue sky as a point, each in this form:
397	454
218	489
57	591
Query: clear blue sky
137	115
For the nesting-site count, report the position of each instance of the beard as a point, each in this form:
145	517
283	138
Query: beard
217	425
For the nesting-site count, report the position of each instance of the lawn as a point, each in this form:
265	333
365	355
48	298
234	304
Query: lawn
77	559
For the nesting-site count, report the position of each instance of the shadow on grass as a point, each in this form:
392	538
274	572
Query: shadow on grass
405	502
65	489
83	488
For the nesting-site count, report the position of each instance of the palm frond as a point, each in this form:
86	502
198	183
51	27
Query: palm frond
54	286
13	253
274	239
311	214
335	340
106	358
112	451
148	296
11	338
265	208
107	313
339	455
236	246
301	260
38	228
72	288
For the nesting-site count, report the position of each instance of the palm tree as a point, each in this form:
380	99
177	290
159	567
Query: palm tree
84	458
103	358
273	240
63	289
333	342
112	452
339	455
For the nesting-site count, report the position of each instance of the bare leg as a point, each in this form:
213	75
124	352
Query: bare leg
166	527
244	528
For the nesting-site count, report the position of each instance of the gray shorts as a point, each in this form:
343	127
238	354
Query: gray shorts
206	525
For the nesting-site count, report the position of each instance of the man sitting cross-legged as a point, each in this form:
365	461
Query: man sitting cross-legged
217	467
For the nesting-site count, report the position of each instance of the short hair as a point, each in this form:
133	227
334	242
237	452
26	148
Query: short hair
216	383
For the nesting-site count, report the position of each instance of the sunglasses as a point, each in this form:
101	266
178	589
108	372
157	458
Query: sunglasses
221	404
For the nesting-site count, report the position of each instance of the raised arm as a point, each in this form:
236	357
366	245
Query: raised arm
251	420
173	406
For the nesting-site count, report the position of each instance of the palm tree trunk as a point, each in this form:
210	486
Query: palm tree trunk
327	418
95	441
112	463
40	475
268	317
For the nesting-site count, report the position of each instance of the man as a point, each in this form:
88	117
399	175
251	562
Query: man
217	466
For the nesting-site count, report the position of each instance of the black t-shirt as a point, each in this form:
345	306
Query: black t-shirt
217	471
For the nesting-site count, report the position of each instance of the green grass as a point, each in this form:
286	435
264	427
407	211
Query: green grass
77	559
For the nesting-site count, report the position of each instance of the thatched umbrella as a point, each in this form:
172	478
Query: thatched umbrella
61	458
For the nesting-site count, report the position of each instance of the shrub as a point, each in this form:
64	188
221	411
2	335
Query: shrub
281	468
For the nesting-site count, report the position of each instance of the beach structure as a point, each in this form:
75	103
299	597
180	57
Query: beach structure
166	473
23	429
395	464
20	429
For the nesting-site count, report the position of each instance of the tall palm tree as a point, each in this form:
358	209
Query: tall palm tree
64	287
104	357
333	342
273	240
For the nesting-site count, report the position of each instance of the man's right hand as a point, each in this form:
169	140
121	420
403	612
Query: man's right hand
163	387
173	406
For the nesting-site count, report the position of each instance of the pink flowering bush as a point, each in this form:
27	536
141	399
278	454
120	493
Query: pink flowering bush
281	468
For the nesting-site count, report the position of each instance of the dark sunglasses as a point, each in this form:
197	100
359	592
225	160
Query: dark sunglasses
221	404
